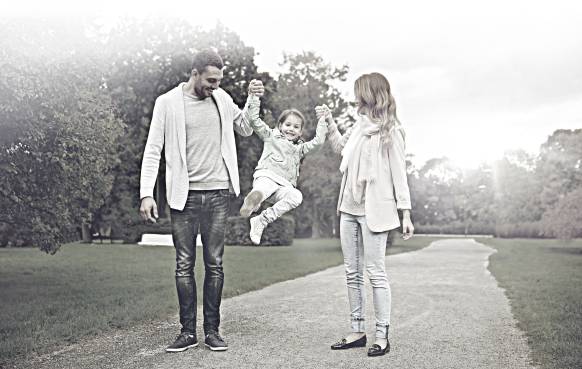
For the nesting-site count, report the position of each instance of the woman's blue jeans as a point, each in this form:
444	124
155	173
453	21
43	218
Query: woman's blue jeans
207	211
363	248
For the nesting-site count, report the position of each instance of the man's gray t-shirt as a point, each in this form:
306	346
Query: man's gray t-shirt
206	167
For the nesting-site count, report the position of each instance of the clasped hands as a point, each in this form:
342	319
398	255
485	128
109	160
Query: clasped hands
256	88
322	111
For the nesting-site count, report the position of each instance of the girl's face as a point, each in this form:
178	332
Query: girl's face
291	127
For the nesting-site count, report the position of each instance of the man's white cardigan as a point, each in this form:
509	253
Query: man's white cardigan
168	127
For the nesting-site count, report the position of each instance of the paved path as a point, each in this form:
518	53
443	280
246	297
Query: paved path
448	312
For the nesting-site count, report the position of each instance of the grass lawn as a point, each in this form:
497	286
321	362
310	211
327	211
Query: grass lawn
51	300
543	280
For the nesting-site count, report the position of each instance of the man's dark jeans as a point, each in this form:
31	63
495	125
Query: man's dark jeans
209	211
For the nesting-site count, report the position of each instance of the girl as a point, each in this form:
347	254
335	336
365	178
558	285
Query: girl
374	170
278	168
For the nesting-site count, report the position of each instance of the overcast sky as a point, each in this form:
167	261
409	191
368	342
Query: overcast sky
471	79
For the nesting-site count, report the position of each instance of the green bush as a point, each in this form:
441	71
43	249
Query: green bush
20	237
454	228
520	230
278	233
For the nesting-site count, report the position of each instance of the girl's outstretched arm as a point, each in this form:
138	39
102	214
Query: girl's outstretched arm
240	122
259	127
318	140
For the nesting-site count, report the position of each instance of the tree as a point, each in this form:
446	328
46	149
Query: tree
447	199
517	189
559	166
57	130
475	201
559	173
564	219
307	81
434	192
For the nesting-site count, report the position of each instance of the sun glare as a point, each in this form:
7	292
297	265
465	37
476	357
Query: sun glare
463	147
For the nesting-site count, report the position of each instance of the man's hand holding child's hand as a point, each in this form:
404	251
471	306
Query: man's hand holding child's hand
256	88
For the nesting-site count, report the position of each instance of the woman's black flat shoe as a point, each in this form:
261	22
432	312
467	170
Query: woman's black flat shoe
343	344
376	350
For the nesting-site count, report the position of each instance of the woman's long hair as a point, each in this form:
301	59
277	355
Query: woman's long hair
375	100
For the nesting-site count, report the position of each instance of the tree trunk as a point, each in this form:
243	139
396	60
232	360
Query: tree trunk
389	239
315	222
336	226
86	233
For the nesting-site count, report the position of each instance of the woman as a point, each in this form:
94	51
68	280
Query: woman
374	186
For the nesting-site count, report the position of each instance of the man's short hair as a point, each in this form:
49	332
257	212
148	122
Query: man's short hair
205	58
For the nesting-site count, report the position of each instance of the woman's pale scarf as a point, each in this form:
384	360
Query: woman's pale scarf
362	156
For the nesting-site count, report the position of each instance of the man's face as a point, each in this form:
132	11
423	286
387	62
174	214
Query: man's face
207	81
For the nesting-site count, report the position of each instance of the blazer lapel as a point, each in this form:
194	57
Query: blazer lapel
221	109
180	120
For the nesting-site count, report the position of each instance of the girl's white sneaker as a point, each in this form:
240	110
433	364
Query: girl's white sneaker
257	228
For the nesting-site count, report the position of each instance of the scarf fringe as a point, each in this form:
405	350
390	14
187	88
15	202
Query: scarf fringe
362	156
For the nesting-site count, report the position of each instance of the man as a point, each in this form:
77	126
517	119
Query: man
195	122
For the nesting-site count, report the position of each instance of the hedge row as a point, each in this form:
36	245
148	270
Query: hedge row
455	228
279	233
521	230
516	230
132	233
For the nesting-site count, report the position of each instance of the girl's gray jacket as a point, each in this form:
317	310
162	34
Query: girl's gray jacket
281	158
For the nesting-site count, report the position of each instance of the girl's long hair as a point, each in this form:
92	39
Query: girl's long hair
375	100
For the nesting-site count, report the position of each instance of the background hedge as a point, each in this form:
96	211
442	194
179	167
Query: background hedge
278	233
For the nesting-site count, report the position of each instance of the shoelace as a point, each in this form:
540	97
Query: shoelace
185	335
217	336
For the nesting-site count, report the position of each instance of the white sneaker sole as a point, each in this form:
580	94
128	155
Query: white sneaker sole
216	348
251	204
181	349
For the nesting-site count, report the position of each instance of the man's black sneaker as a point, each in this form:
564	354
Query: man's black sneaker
214	342
182	343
